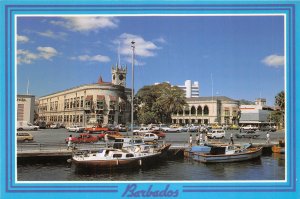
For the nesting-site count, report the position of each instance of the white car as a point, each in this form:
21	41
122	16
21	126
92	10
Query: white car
75	128
249	127
148	137
216	133
142	130
24	125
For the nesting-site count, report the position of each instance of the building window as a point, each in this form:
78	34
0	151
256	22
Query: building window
81	118
81	102
187	111
20	112
199	110
205	110
193	110
100	104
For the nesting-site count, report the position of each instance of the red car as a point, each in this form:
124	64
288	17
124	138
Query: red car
160	134
96	129
83	138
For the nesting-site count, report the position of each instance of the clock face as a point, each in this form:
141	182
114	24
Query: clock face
121	77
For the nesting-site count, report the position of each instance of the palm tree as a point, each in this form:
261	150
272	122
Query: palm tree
280	100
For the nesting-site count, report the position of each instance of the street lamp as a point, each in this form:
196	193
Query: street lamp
132	91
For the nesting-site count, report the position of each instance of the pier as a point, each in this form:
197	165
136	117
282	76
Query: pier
60	151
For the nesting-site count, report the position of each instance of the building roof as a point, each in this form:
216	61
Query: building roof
223	98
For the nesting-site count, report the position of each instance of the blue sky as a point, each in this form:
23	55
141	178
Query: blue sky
244	55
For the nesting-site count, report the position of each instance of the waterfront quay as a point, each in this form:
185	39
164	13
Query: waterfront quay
51	142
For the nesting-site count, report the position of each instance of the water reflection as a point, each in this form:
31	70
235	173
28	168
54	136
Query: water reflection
265	168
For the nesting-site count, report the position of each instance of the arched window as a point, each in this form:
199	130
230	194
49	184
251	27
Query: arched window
186	111
180	112
205	110
193	110
199	110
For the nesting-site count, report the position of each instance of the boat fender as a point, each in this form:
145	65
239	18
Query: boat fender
140	162
69	160
117	161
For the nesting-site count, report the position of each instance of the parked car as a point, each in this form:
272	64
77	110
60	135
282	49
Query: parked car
160	134
122	128
55	126
24	125
41	124
267	128
149	137
247	134
234	127
216	133
96	129
24	137
249	127
83	138
75	128
142	130
193	128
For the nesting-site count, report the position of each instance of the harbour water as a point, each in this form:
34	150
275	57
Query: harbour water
268	167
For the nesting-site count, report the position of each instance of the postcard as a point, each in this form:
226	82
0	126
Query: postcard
149	99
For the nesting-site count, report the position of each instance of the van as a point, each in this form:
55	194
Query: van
24	125
216	133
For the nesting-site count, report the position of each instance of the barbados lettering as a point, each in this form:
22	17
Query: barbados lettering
132	190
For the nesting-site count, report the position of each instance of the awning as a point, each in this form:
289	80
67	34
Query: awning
100	97
112	98
89	97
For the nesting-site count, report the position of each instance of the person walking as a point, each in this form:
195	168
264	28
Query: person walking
268	138
206	139
191	140
200	138
69	142
197	139
231	139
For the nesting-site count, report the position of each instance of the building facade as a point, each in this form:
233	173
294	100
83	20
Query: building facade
190	89
25	108
257	114
208	110
90	104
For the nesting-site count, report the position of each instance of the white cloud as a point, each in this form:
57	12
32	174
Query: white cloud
143	48
86	23
22	39
274	61
53	35
27	57
47	52
97	58
161	40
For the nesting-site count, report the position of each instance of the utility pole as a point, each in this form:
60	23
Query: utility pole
132	83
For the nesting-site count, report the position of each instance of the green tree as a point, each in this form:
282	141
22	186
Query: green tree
278	115
156	103
280	100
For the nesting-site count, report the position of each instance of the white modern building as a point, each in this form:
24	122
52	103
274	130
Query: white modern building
25	108
257	114
190	89
89	104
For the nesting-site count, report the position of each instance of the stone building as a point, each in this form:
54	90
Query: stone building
90	104
208	110
25	108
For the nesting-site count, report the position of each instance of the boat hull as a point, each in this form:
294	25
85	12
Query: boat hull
249	154
278	149
117	163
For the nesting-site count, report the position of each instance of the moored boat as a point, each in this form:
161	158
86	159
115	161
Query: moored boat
279	148
117	158
228	153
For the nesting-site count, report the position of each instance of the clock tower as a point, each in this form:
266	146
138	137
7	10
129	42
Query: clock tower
119	75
